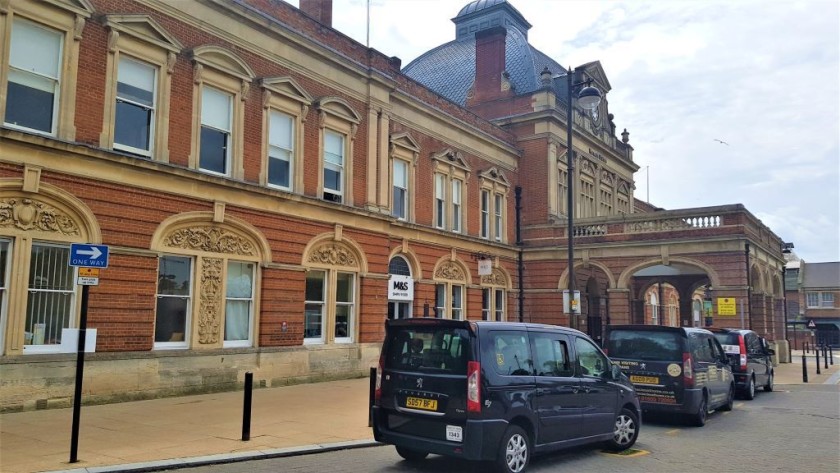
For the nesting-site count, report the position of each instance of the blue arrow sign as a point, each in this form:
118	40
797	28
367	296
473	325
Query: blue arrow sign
89	256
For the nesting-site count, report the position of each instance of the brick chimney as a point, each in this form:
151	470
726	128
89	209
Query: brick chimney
320	10
490	78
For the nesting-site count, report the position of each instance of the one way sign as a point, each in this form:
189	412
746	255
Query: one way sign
89	256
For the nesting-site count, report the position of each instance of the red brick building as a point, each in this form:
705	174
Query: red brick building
271	191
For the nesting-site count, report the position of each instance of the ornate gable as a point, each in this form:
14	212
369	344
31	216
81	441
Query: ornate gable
145	28
493	174
405	141
80	7
452	158
287	87
339	108
223	60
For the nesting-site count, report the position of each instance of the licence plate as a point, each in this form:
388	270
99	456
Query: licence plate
644	379
418	403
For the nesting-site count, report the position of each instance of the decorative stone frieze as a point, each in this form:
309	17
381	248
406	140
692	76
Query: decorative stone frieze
496	278
30	214
450	271
210	239
334	254
211	301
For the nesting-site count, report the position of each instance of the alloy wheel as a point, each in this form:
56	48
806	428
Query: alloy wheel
625	429
516	453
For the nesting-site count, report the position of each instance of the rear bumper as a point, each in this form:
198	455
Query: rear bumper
481	438
691	402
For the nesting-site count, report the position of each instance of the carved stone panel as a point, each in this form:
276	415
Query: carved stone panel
450	271
334	254
211	239
496	278
210	296
29	214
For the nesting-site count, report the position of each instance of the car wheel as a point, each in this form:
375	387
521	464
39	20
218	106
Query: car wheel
515	452
749	394
769	386
626	431
729	400
411	455
699	419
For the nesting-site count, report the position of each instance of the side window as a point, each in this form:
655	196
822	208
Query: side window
551	355
754	345
512	353
590	359
705	351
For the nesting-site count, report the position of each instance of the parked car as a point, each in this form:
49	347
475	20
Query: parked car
675	369
498	391
750	358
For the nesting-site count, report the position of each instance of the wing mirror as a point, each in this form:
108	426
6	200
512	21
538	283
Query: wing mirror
615	371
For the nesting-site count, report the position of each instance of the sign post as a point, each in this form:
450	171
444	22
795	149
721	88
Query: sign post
89	258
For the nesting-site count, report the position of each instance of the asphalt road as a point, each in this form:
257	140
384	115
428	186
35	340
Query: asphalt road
796	428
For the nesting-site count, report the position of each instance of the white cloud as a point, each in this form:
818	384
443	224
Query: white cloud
762	75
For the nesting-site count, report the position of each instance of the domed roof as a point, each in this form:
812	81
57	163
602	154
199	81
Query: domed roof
449	69
477	5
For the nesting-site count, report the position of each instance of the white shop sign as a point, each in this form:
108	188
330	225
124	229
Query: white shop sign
400	288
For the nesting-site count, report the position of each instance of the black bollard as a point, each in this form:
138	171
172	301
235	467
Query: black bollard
806	347
831	354
817	354
246	406
825	356
372	396
790	352
804	368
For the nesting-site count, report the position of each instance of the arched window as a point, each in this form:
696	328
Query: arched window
400	302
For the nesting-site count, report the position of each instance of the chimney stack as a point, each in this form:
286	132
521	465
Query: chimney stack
490	78
320	10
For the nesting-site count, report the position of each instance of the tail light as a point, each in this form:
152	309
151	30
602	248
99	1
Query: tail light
688	371
742	348
377	393
473	386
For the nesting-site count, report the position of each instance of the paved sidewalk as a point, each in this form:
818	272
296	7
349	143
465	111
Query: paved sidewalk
145	435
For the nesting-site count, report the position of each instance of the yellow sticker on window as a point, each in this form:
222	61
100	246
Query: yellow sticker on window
500	359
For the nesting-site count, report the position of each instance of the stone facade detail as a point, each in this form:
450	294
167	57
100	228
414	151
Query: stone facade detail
211	301
212	240
496	278
334	255
29	214
450	271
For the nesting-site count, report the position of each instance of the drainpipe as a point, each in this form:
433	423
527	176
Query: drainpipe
749	285
520	263
784	301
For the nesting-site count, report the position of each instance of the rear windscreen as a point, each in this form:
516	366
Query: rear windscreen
648	345
431	349
726	338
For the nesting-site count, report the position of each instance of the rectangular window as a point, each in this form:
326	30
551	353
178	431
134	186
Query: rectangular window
4	284
623	204
134	121
500	305
400	207
551	356
816	300
174	295
606	202
440	301
333	166
456	205
587	199
313	318
827	300
216	119
50	305
485	304
281	134
344	307
498	207
239	303
34	74
563	193
485	214
440	201
457	303
813	299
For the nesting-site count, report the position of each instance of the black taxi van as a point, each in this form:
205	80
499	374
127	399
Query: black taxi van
497	391
750	357
674	369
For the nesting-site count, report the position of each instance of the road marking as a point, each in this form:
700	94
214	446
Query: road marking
739	405
629	453
672	432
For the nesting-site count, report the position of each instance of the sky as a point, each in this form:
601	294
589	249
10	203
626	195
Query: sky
762	76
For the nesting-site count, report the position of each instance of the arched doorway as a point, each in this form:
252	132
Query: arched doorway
596	306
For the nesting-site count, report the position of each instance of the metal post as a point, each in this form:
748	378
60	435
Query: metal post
831	354
804	368
817	354
80	371
570	199
520	264
246	407
825	356
372	396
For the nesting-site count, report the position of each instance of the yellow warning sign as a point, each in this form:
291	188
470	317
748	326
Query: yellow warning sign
726	306
88	272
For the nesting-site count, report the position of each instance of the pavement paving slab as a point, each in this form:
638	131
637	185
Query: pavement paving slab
207	428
